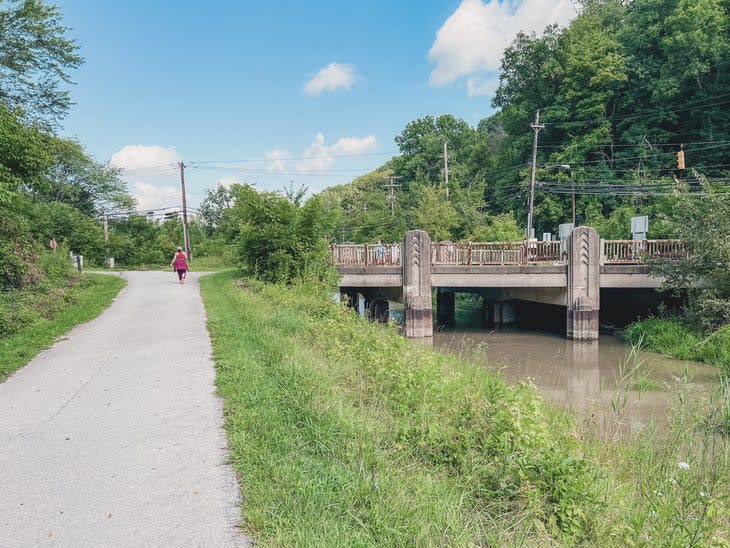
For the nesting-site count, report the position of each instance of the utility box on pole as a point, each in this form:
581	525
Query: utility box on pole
639	227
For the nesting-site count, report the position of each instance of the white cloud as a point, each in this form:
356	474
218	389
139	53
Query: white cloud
277	157
153	197
474	37
481	85
331	78
355	145
316	157
141	157
321	157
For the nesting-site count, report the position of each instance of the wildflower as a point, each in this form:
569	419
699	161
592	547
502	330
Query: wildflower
683	466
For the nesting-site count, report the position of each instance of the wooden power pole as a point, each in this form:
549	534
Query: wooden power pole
391	186
536	127
446	167
186	232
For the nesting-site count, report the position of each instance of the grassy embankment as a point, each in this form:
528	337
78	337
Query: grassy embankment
344	433
675	339
31	320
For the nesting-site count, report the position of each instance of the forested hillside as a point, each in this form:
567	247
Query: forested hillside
620	91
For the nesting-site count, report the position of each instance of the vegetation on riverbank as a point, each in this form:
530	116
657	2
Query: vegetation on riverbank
344	433
675	338
31	319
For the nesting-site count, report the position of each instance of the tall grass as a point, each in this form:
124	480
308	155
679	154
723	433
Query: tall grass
345	434
674	338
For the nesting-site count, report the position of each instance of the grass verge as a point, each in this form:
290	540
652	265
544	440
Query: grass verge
343	433
673	338
61	309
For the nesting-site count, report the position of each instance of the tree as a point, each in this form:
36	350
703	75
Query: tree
35	57
422	146
501	228
216	201
278	239
434	214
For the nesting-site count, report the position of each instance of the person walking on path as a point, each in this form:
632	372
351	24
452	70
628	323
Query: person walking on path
180	264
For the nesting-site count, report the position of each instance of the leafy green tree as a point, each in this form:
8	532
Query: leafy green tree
75	179
216	201
500	228
422	146
35	60
134	241
434	214
280	240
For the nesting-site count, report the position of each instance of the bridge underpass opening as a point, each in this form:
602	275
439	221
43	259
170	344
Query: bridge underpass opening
620	306
477	310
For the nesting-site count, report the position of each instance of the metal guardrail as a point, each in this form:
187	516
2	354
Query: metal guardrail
506	253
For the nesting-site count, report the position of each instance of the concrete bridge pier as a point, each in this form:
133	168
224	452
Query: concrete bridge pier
416	261
583	291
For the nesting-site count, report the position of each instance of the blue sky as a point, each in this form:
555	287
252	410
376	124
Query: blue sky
270	92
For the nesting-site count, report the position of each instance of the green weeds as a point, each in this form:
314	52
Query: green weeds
344	433
676	339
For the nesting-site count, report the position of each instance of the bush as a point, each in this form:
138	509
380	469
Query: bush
709	313
57	264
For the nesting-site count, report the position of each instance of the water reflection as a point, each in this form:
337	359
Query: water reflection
612	390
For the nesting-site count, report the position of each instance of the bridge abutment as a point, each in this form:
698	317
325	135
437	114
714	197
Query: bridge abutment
416	261
583	291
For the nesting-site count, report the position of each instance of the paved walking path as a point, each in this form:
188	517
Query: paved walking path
114	436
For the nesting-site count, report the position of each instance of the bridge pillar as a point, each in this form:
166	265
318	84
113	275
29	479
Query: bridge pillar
445	308
416	260
584	253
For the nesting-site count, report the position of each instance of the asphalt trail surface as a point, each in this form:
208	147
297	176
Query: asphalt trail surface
113	437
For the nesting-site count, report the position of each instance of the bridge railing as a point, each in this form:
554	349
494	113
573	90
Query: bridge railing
495	253
506	253
635	251
366	254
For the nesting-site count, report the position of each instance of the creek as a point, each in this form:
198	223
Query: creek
612	389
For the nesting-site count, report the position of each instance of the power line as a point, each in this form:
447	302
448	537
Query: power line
646	113
646	144
654	155
293	158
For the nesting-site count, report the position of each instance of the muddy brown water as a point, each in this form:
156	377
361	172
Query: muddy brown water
599	380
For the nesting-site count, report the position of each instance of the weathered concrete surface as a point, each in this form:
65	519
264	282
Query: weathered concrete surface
584	293
417	284
114	436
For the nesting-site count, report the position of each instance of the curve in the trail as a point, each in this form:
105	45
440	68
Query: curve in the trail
113	437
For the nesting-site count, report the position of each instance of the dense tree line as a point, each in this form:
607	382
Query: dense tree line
620	91
50	188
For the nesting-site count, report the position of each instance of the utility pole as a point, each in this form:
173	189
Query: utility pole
536	127
572	181
186	233
391	186
446	166
106	228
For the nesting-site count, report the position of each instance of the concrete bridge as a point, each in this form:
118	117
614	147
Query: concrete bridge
569	274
